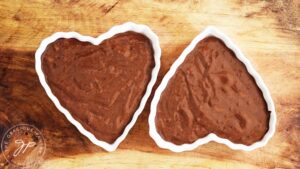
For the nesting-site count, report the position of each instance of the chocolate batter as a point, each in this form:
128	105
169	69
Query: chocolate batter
212	92
101	86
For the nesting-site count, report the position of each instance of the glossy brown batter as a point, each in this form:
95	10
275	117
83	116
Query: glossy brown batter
212	92
101	86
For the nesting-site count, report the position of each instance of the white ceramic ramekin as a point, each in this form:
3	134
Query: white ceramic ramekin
211	31
129	26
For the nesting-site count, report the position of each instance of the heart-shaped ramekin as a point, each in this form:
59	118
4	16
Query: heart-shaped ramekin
129	26
211	31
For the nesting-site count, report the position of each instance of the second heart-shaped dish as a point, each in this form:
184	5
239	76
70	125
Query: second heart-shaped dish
212	93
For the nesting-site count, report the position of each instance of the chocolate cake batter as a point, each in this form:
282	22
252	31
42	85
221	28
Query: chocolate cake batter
212	92
101	86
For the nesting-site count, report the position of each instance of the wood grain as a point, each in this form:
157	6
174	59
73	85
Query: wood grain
268	32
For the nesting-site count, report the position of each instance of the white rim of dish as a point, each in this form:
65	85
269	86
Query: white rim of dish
211	31
128	26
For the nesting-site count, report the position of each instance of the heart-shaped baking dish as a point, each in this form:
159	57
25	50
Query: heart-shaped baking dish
212	93
100	84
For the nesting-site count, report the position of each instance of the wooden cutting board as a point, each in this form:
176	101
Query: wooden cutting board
268	32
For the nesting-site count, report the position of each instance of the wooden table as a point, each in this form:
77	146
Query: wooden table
268	32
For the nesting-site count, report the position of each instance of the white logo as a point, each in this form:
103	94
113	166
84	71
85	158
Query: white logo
23	146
